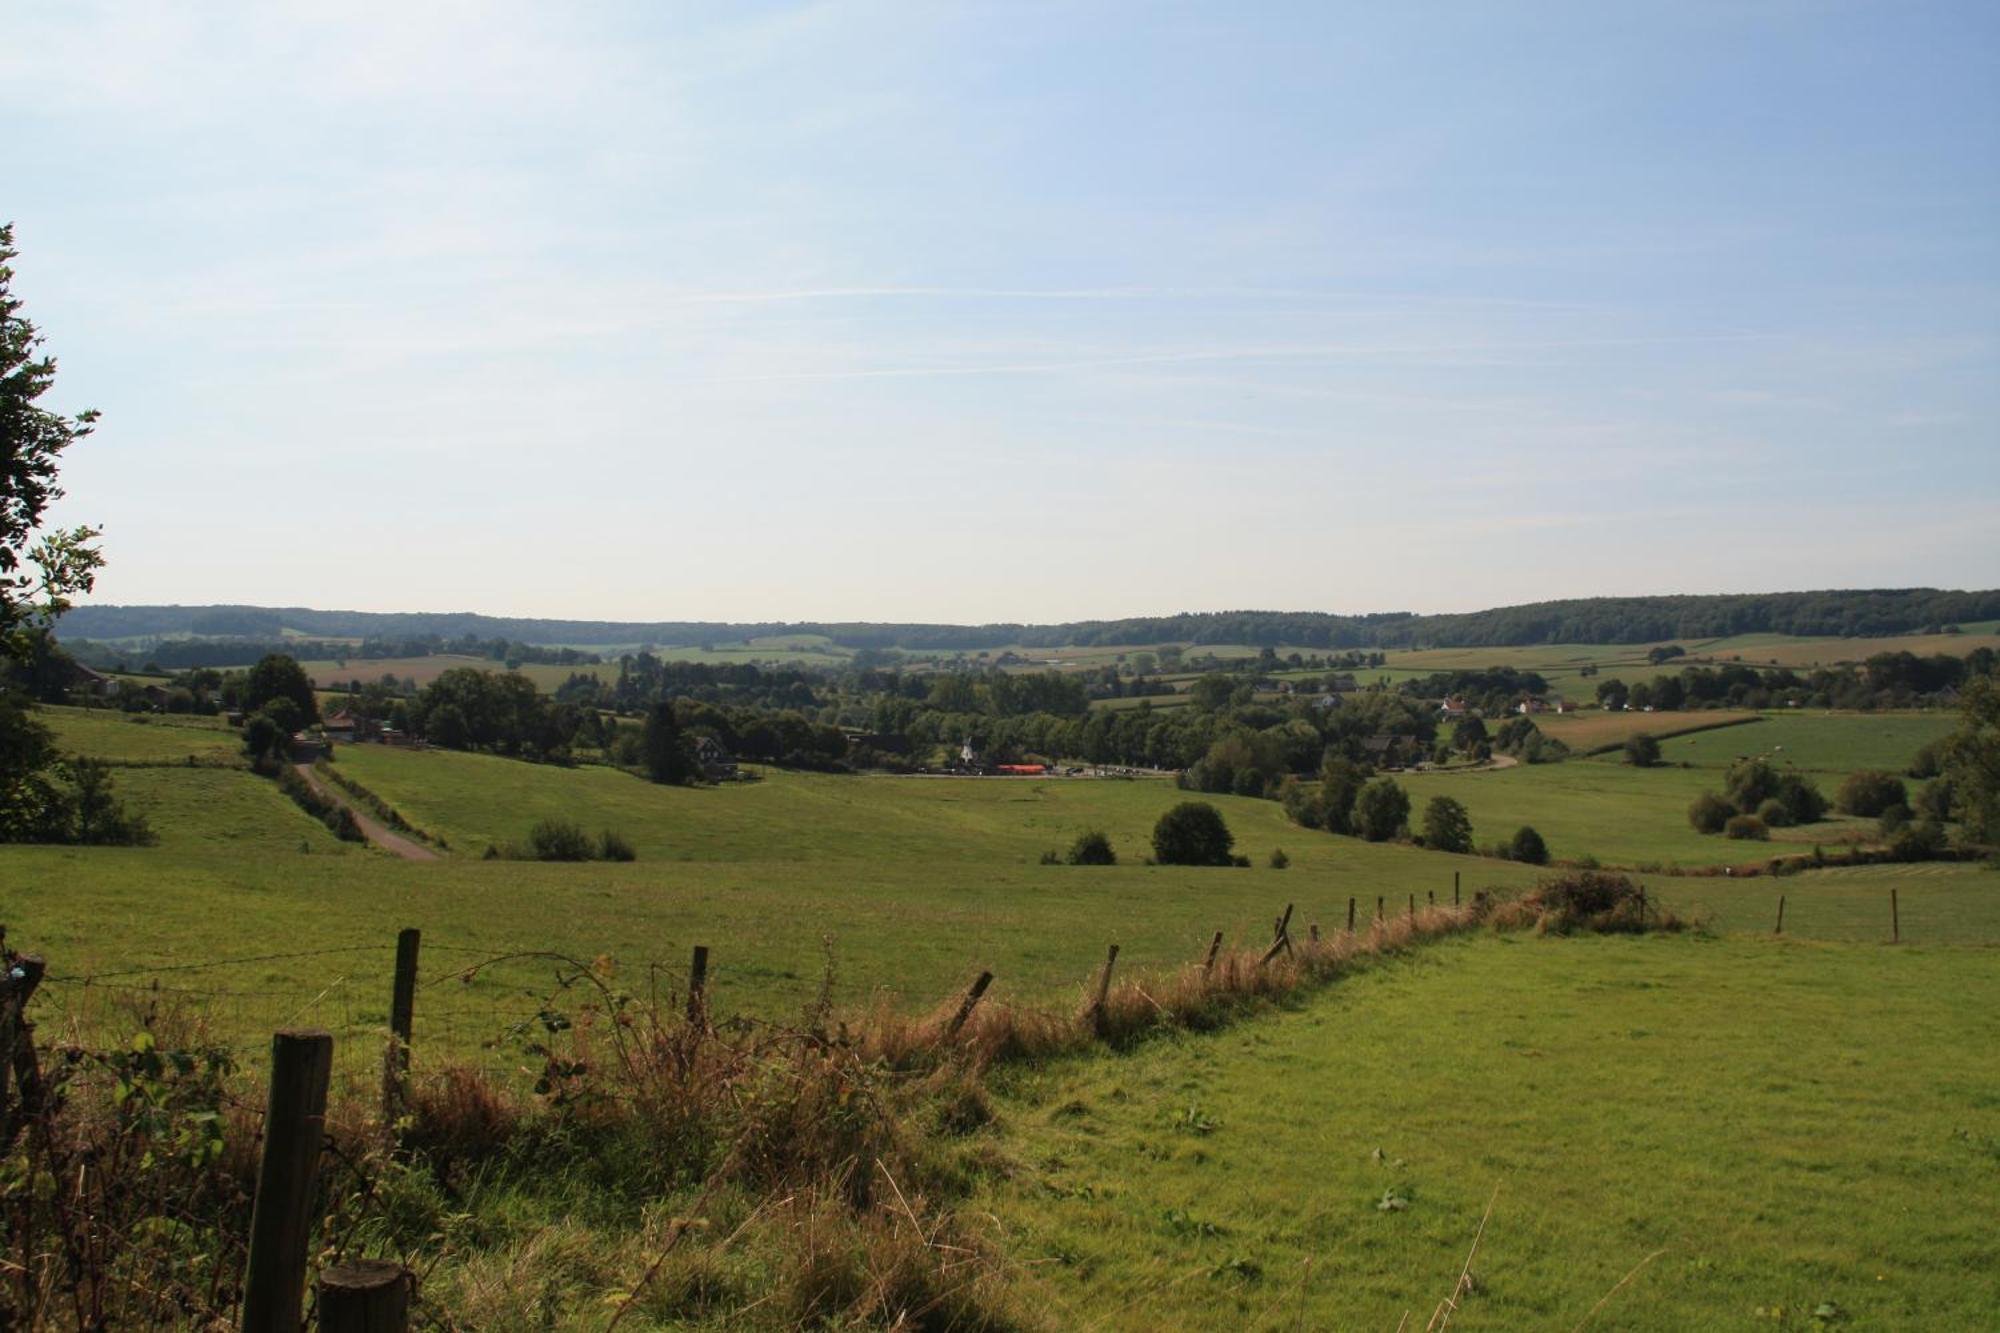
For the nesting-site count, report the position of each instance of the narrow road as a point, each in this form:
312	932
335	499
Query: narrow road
393	843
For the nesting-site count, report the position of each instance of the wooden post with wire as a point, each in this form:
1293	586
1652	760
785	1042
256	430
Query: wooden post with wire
1350	916
1378	909
17	1046
1282	937
365	1296
1103	992
971	1001
1413	909
274	1281
402	1021
1214	948
1454	888
1895	918
1781	916
698	988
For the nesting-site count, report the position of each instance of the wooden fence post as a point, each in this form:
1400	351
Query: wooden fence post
698	988
1781	916
17	1045
1313	930
402	1016
1103	992
274	1282
365	1296
1432	895
1454	888
965	1007
1281	937
1413	909
1378	909
1350	916
1895	918
1214	948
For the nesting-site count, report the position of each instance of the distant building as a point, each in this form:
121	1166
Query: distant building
1453	706
715	762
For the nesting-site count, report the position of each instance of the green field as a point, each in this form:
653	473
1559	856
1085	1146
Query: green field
1827	743
1783	1129
141	737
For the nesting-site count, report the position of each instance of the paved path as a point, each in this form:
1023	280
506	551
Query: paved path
393	843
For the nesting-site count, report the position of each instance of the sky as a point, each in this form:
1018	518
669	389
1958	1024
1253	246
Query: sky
1013	311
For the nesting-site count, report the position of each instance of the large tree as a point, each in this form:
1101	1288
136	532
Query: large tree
1972	760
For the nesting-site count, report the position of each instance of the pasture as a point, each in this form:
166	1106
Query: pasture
1824	743
1762	1134
1595	729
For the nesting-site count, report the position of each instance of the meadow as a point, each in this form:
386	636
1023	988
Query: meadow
1764	1134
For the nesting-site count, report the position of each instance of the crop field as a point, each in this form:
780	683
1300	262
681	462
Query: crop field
1762	1134
1798	653
1592	728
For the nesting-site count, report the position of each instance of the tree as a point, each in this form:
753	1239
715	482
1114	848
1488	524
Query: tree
1380	810
1192	834
1642	751
1212	692
1611	694
1528	847
666	750
1869	792
1467	734
1749	783
1972	760
277	676
1447	826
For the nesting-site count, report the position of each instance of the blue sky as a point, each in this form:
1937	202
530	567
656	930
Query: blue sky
1014	311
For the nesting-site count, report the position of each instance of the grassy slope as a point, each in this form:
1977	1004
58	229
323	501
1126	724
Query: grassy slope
1788	1124
144	738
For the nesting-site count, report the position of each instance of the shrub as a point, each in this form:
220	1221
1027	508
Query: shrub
1528	847
1642	751
1934	800
1380	810
1278	859
559	840
1920	841
1893	819
1709	813
1192	834
1447	827
1092	849
1801	798
1749	783
1928	761
612	846
1774	814
1747	826
1869	792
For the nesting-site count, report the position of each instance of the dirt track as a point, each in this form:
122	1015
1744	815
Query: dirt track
393	843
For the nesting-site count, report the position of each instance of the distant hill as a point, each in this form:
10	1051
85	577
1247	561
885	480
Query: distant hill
1880	611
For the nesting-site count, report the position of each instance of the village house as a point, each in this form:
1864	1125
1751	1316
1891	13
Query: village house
715	762
1454	706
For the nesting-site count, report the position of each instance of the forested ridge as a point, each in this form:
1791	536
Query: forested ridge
1581	620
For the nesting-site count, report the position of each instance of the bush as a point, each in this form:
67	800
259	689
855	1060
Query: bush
1801	798
1893	819
1747	826
1920	841
612	846
1709	813
1278	859
1192	834
1774	814
1642	751
1749	783
1447	827
1934	800
559	840
1092	849
1528	847
1928	761
1380	810
1869	792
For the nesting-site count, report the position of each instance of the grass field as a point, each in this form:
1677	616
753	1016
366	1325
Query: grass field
1593	728
141	737
1828	743
1782	1128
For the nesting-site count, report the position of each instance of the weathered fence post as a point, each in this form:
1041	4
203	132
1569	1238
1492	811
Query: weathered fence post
966	1005
402	1017
1432	895
365	1296
1781	916
1378	909
698	987
1103	992
1454	888
1281	941
274	1281
1313	932
1214	948
17	1044
1413	909
1350	916
1895	918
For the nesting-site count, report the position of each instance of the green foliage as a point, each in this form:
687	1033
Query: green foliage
1869	792
1091	848
560	840
277	678
1527	847
1642	750
1447	826
1920	840
1749	783
1746	827
665	747
1972	760
614	846
1279	861
1192	834
1709	813
1381	810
